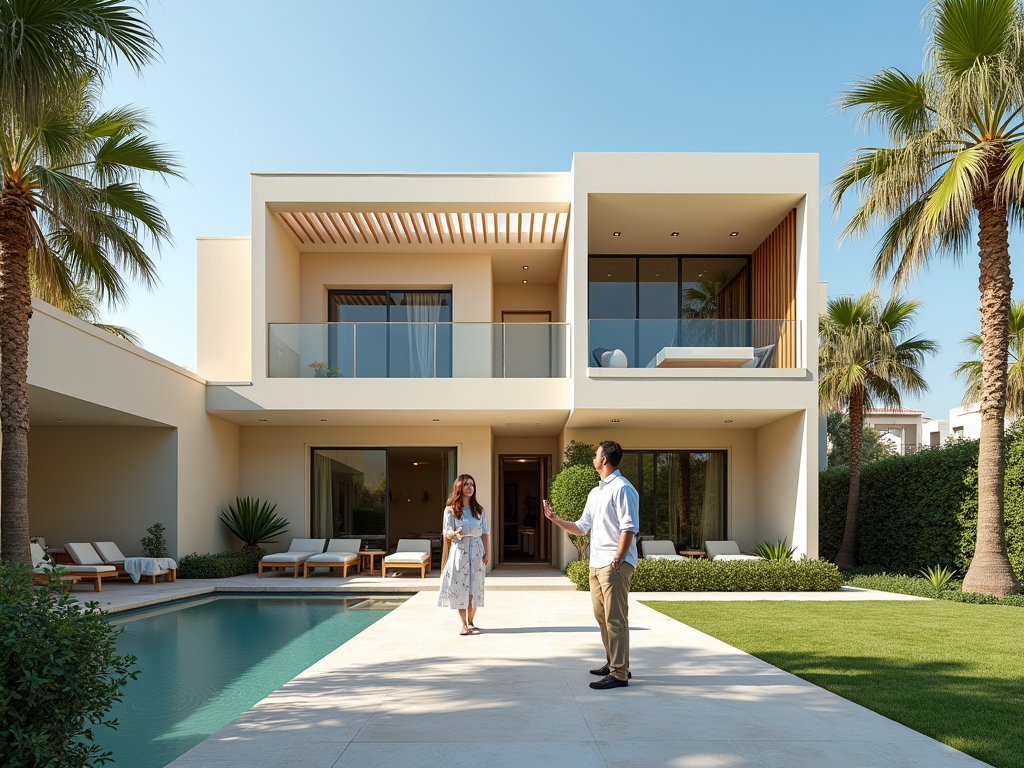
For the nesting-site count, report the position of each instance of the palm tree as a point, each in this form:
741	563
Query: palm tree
956	162
970	370
71	210
865	358
81	300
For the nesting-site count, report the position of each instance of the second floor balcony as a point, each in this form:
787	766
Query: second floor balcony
694	343
418	350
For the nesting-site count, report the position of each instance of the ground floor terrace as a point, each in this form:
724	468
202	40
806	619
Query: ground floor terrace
517	694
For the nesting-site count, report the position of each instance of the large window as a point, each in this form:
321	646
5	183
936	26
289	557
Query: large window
682	494
391	333
379	495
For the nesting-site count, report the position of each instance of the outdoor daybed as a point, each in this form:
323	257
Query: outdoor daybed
410	553
341	553
298	552
660	550
726	550
94	571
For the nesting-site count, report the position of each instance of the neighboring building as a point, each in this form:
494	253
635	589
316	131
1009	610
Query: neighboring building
963	422
901	428
382	332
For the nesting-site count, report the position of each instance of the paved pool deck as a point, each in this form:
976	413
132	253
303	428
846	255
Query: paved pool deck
410	691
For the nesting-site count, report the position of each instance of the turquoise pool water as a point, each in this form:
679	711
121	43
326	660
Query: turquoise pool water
204	662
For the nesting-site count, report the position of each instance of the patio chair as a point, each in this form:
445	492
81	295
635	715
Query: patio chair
341	553
298	552
112	555
89	566
410	553
610	358
726	550
660	550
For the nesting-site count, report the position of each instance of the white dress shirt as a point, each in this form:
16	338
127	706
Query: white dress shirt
612	507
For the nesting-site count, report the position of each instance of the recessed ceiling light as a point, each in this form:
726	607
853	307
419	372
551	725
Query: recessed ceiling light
525	267
60	421
524	281
616	234
323	419
674	234
435	419
728	421
733	234
262	419
522	461
615	421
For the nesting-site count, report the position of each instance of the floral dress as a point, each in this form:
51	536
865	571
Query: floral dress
463	575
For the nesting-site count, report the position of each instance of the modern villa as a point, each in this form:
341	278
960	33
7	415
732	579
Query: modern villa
380	333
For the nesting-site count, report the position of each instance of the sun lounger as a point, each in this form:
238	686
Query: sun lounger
298	552
136	567
410	553
726	550
89	566
341	553
660	550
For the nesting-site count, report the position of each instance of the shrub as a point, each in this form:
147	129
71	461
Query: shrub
219	566
154	545
578	455
569	491
922	587
59	674
778	552
698	575
253	523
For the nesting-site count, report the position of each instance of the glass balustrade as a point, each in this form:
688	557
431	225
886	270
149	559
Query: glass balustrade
418	350
707	343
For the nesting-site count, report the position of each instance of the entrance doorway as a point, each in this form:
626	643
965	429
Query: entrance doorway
524	534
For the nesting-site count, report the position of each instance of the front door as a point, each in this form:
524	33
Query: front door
524	534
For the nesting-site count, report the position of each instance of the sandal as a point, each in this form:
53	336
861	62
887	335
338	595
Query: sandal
473	628
466	631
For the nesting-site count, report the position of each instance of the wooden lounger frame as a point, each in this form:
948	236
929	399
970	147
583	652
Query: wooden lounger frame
283	566
307	566
424	566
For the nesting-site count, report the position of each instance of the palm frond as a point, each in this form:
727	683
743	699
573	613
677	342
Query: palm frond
891	99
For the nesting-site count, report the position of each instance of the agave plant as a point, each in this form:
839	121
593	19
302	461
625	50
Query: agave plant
779	552
254	523
939	576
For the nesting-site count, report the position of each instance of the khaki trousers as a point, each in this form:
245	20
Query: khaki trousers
609	591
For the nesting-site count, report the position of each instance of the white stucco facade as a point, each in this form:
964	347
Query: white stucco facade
503	245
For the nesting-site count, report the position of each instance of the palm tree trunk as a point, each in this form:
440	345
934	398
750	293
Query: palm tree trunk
15	311
990	569
847	555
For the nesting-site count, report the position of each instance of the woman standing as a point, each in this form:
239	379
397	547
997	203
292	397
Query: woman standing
465	527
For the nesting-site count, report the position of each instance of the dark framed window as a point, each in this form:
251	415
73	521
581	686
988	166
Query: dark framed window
391	333
682	494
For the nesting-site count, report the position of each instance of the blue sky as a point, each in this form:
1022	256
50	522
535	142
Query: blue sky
495	86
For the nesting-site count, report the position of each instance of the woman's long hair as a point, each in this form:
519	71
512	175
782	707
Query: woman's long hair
455	500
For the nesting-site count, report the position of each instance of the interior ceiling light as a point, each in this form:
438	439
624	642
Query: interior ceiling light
262	419
60	421
522	461
524	281
728	421
323	419
674	234
435	419
616	234
733	234
525	267
615	421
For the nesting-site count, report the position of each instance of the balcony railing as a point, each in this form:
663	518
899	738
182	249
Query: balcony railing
418	350
771	343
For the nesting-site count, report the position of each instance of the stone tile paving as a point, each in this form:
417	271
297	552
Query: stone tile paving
410	691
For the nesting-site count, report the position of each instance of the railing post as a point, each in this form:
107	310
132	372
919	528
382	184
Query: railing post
355	356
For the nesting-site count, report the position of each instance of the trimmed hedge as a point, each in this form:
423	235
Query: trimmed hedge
698	575
919	511
921	587
218	566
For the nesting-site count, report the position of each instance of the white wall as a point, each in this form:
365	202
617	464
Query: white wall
224	308
787	487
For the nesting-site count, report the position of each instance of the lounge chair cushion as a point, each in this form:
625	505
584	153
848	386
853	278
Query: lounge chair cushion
88	568
315	546
333	557
84	554
38	556
665	557
413	545
407	557
344	545
288	557
109	551
726	550
658	547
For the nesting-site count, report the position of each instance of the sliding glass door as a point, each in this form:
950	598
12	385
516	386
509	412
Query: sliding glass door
682	494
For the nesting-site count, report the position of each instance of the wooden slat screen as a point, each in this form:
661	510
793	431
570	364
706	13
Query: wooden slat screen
773	291
733	300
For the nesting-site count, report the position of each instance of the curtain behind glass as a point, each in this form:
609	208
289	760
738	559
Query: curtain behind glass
422	308
322	524
714	484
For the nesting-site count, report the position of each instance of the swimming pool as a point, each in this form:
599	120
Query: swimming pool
203	662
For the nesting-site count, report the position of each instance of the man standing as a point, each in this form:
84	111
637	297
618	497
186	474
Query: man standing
613	515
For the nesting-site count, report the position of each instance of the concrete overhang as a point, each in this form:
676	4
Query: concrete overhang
53	409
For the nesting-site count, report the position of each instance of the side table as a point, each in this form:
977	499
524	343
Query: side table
366	558
693	553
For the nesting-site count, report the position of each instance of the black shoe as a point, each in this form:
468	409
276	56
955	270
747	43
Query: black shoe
609	682
604	672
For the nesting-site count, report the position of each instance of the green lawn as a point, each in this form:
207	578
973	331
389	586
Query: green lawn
952	671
